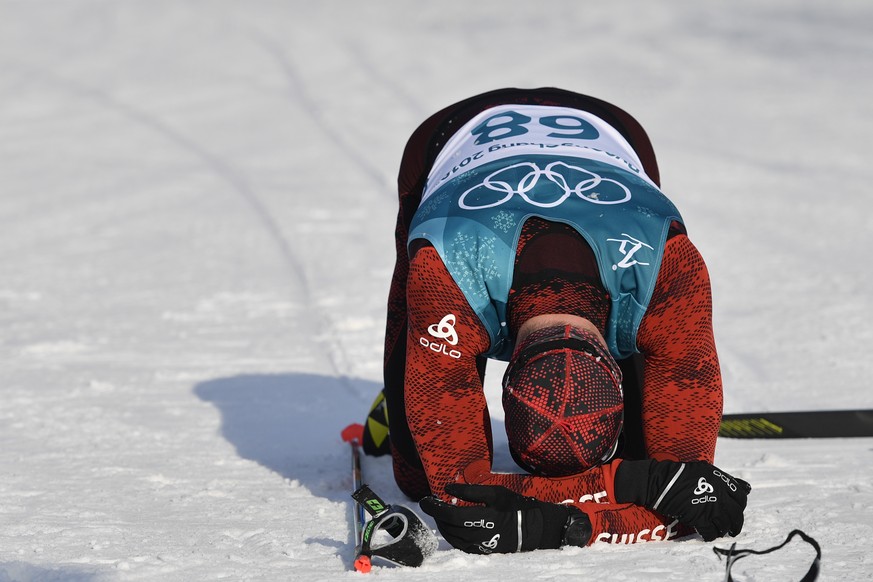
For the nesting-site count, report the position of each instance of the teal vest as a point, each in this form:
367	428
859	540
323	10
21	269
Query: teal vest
474	221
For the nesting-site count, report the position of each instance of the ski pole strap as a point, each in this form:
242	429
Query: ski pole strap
407	541
732	555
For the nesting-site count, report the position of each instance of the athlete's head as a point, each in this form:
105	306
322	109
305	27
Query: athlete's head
563	402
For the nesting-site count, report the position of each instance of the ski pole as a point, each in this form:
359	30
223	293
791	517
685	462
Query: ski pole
411	542
354	434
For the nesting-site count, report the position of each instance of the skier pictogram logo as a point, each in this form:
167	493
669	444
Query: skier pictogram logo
628	246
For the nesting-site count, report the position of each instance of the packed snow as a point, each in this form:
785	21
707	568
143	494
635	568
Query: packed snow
197	212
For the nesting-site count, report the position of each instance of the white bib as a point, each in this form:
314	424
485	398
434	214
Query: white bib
519	130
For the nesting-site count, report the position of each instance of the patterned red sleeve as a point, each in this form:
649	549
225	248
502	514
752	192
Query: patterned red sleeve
682	392
445	401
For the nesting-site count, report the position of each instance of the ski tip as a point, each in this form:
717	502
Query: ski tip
362	564
353	432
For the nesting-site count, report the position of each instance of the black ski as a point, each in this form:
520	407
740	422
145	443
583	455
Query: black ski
813	424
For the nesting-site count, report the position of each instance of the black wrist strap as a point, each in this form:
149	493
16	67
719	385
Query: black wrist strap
577	530
732	555
632	481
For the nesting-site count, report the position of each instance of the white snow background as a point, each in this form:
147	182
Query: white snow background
196	239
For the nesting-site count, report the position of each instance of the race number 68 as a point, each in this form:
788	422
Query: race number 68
513	123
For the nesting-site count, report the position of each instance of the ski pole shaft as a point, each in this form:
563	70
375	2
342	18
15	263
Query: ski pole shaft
358	481
353	434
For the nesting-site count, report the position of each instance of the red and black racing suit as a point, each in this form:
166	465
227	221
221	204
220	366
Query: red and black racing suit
439	422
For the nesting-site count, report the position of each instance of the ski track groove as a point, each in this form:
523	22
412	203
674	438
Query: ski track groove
358	57
316	113
238	184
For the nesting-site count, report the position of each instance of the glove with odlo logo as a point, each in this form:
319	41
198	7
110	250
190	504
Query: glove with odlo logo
506	522
697	493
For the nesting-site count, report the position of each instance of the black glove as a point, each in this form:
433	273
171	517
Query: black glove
697	494
507	523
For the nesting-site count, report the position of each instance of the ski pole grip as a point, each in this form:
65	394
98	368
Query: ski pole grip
353	434
370	501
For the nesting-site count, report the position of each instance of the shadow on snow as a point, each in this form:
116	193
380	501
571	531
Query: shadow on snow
23	572
291	423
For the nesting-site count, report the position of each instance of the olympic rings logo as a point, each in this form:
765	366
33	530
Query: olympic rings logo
571	180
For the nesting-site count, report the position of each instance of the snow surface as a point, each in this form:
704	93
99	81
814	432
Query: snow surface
197	207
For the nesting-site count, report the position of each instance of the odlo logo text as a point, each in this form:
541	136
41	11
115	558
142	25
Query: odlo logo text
444	330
